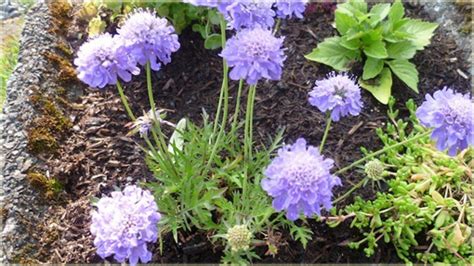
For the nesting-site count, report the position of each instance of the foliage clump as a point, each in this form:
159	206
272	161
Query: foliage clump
430	195
382	38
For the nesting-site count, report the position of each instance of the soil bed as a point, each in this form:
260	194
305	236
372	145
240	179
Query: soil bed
98	155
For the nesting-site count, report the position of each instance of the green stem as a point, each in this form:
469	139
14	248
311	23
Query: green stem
277	26
248	123
353	188
223	98
237	107
156	128
125	102
225	79
326	131
371	155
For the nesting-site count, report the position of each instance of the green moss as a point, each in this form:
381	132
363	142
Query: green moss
67	73
50	187
49	127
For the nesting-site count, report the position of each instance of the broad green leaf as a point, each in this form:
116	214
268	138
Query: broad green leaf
201	29
420	31
372	68
353	44
344	22
371	36
401	50
96	26
405	71
332	53
378	13
376	49
396	12
381	88
213	41
357	7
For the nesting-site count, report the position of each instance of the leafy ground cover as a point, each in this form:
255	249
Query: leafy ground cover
99	155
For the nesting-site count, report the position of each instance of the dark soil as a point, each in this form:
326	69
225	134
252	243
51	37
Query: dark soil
98	155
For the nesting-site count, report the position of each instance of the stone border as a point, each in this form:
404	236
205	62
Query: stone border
19	204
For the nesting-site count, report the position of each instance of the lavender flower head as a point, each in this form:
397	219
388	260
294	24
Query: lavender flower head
254	54
248	14
150	38
451	114
124	223
288	8
299	180
101	59
338	94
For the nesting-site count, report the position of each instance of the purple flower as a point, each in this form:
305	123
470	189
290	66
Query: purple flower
124	223
451	115
248	14
288	8
150	38
254	54
144	123
299	180
101	59
207	3
338	94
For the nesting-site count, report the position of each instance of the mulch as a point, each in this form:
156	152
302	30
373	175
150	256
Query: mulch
99	156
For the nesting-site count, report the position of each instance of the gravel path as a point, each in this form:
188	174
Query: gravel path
20	208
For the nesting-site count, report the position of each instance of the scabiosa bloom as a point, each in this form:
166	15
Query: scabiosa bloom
150	38
254	54
248	14
288	8
338	94
451	115
299	180
124	223
101	59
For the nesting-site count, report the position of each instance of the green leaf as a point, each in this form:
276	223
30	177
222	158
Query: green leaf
353	44
405	71
344	22
420	31
213	41
401	50
376	49
201	29
381	88
378	13
397	11
332	53
372	68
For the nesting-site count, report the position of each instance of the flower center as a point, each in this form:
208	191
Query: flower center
459	110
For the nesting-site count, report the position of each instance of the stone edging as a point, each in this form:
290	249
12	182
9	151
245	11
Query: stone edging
19	205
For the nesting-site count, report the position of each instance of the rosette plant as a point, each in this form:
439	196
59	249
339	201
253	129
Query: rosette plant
382	38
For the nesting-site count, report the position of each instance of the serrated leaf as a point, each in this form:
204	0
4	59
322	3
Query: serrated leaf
332	53
376	50
381	88
372	68
397	11
301	234
420	31
406	72
213	41
401	50
378	13
344	22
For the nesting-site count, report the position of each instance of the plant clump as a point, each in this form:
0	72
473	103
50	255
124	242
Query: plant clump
50	187
46	129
